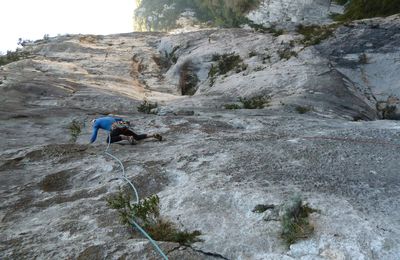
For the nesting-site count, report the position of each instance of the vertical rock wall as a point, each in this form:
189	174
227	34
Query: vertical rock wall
290	12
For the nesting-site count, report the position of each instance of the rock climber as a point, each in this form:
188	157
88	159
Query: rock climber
119	130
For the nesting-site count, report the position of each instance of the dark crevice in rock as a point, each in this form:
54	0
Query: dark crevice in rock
216	255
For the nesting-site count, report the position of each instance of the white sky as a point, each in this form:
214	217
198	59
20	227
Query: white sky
32	19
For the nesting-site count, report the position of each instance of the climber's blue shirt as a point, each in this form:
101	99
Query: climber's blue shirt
103	123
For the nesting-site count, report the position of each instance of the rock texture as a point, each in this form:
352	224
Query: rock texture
284	13
215	165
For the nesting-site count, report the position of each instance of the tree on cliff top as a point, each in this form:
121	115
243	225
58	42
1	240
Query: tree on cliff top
161	15
360	9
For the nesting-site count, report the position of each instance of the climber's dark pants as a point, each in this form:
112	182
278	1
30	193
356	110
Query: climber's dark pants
116	134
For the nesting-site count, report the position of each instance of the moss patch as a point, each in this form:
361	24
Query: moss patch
56	182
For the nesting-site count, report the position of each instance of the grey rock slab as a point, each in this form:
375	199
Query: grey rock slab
214	165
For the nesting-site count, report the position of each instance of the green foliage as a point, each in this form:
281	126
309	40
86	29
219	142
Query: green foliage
166	60
146	107
303	109
188	79
225	63
226	13
75	129
147	214
315	34
256	102
286	54
232	106
262	29
12	56
161	15
295	223
360	9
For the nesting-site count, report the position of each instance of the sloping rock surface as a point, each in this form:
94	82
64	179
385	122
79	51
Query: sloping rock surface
214	164
286	13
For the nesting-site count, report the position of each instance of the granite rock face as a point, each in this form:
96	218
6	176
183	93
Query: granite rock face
286	13
319	137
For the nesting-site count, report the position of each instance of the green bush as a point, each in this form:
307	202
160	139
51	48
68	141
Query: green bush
12	56
161	15
262	29
75	129
146	107
303	109
256	102
147	214
232	106
286	54
225	63
360	9
295	223
314	34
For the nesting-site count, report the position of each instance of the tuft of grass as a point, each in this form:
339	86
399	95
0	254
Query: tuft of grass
262	29
146	107
232	106
295	223
303	109
147	214
286	54
256	102
314	34
75	129
225	63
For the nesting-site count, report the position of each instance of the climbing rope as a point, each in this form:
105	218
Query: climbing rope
132	221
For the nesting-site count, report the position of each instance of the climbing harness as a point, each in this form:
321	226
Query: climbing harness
133	223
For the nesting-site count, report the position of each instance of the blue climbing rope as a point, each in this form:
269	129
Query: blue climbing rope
133	223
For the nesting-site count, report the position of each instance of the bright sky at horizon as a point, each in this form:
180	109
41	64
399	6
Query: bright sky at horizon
32	19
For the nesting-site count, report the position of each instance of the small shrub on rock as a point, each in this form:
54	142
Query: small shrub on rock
225	63
75	129
295	223
232	106
146	107
12	56
286	54
256	102
303	109
147	214
315	34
